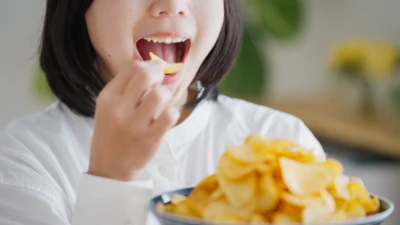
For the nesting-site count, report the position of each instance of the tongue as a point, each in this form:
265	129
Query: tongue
165	51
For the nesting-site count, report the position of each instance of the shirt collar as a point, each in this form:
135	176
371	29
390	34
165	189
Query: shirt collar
189	128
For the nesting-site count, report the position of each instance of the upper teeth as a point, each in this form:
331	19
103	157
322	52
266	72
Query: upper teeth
166	40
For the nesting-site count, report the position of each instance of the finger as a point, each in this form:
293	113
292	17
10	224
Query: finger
147	75
153	104
165	121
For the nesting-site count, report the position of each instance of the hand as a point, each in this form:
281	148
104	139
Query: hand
132	115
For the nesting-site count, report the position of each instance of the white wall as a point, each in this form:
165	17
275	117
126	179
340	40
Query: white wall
20	24
300	66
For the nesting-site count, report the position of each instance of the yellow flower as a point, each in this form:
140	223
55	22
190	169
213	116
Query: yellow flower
357	57
349	53
380	60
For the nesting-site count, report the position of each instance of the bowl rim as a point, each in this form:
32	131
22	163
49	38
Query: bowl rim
381	216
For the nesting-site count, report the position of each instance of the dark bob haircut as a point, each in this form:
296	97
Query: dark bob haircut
68	58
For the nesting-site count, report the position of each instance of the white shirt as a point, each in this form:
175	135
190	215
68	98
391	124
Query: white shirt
44	157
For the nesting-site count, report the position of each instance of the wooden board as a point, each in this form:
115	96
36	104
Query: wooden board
328	118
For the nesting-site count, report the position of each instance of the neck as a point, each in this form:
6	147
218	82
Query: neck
185	112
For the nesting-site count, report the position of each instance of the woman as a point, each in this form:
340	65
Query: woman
122	130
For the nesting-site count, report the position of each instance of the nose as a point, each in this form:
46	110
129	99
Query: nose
168	8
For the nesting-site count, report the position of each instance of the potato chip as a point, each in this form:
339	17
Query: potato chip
220	210
283	218
258	219
341	204
305	179
240	192
246	211
357	191
244	154
305	156
254	138
169	68
334	165
355	210
268	196
274	181
321	210
372	206
217	208
260	146
293	211
228	218
338	217
217	194
339	188
328	201
300	201
197	206
315	213
183	209
264	168
209	184
160	207
176	199
232	169
281	145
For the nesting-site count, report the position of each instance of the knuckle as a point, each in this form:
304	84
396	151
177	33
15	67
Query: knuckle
146	81
137	66
103	98
160	95
169	119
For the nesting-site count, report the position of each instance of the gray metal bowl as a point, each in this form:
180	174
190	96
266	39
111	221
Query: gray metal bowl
387	208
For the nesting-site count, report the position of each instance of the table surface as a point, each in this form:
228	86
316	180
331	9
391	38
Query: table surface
329	119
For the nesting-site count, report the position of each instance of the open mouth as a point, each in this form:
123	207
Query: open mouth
171	50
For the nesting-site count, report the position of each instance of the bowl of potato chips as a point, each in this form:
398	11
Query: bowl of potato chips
272	182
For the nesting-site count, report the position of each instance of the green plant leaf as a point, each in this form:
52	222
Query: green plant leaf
395	98
247	79
281	18
40	86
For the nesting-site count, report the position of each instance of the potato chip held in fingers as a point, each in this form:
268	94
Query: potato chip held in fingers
169	68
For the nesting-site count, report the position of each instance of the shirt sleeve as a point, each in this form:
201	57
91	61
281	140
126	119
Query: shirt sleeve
275	124
307	139
99	201
104	201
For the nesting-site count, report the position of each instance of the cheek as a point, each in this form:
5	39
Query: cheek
208	29
110	27
209	26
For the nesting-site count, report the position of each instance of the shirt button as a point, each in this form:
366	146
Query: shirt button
166	171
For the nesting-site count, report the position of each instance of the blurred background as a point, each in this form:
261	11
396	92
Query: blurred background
334	64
